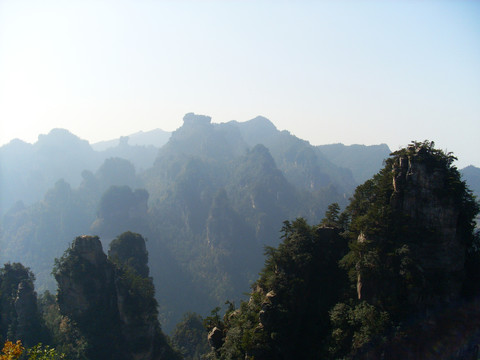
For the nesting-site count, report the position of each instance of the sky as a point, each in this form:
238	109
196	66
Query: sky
355	72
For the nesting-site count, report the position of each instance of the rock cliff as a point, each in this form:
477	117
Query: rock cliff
19	316
425	212
110	303
416	254
421	196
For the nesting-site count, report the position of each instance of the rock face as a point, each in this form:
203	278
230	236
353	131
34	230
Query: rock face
86	281
420	195
19	315
215	338
415	255
425	211
192	118
27	314
94	293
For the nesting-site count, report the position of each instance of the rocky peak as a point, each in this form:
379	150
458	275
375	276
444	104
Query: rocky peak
109	306
421	195
194	119
85	279
26	309
89	248
428	209
415	254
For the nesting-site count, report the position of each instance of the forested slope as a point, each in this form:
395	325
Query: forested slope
394	276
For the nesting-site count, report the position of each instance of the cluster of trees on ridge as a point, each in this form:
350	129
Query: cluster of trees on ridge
395	275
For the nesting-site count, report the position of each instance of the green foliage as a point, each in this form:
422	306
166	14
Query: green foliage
287	314
14	351
332	215
383	263
335	218
214	320
65	333
425	152
129	249
91	305
302	307
139	301
12	275
190	337
110	302
130	257
44	352
19	315
356	326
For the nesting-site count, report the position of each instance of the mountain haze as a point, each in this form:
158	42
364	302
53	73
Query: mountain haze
27	171
471	175
207	201
156	138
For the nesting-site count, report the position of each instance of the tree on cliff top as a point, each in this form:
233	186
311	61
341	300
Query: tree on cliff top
411	229
412	251
287	314
129	249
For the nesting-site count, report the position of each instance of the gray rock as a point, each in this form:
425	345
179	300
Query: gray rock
215	338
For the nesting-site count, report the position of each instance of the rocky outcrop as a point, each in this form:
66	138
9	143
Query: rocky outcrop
425	213
415	256
193	119
421	196
215	338
25	301
99	297
140	330
365	288
19	315
27	312
265	315
85	280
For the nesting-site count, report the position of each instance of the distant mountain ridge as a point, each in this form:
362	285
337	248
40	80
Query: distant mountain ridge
471	175
155	137
27	171
208	200
362	160
303	164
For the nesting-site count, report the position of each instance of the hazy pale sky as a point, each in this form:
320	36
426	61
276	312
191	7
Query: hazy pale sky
364	72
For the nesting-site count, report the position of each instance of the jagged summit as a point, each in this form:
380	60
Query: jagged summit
192	118
89	248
